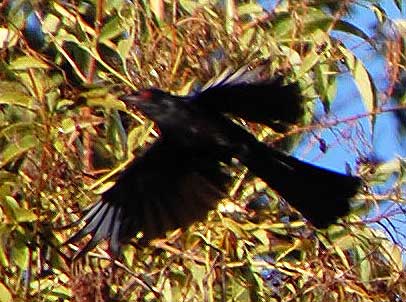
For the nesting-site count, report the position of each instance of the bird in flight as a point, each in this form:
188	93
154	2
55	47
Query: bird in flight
182	175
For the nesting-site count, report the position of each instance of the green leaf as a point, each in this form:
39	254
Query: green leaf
108	102
137	136
20	254
68	125
61	292
342	256
18	213
14	150
250	8
326	85
363	263
124	47
365	85
262	236
18	99
64	36
23	63
51	23
5	294
8	38
350	28
199	274
189	5
111	30
5	230
393	253
313	20
384	171
167	291
16	128
362	80
309	61
234	227
247	38
231	15
331	91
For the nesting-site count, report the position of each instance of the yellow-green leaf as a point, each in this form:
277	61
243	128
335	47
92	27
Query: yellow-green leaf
364	264
362	80
23	63
5	294
364	84
16	149
20	254
5	230
18	99
108	102
18	213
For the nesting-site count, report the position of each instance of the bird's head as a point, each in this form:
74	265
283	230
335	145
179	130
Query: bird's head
156	104
150	101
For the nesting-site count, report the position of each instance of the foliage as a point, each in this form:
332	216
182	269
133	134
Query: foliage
64	135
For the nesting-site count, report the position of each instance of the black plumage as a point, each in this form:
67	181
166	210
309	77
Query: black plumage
182	176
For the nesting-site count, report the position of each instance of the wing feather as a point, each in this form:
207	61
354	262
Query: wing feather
166	188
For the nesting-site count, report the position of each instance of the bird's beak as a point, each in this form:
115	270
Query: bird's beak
136	98
131	100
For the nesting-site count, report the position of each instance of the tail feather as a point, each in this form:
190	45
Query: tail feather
321	195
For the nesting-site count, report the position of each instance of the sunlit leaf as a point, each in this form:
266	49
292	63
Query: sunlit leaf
400	26
16	128
342	257
250	8
18	213
24	63
381	172
262	236
350	28
60	160
5	294
313	20
190	5
363	82
137	136
111	30
364	264
365	85
18	99
326	85
199	275
124	47
51	23
393	253
7	37
20	254
5	230
309	61
14	150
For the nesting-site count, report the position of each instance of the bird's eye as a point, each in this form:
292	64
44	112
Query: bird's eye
145	95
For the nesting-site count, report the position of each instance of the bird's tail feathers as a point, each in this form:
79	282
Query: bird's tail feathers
321	195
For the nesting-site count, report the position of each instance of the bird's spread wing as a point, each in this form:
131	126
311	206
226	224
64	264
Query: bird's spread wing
230	76
166	188
243	94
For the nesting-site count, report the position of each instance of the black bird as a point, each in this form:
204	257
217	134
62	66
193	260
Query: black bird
182	176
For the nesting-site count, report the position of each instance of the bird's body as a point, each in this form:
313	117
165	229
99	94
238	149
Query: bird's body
181	176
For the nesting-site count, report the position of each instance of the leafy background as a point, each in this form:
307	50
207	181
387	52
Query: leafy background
64	136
